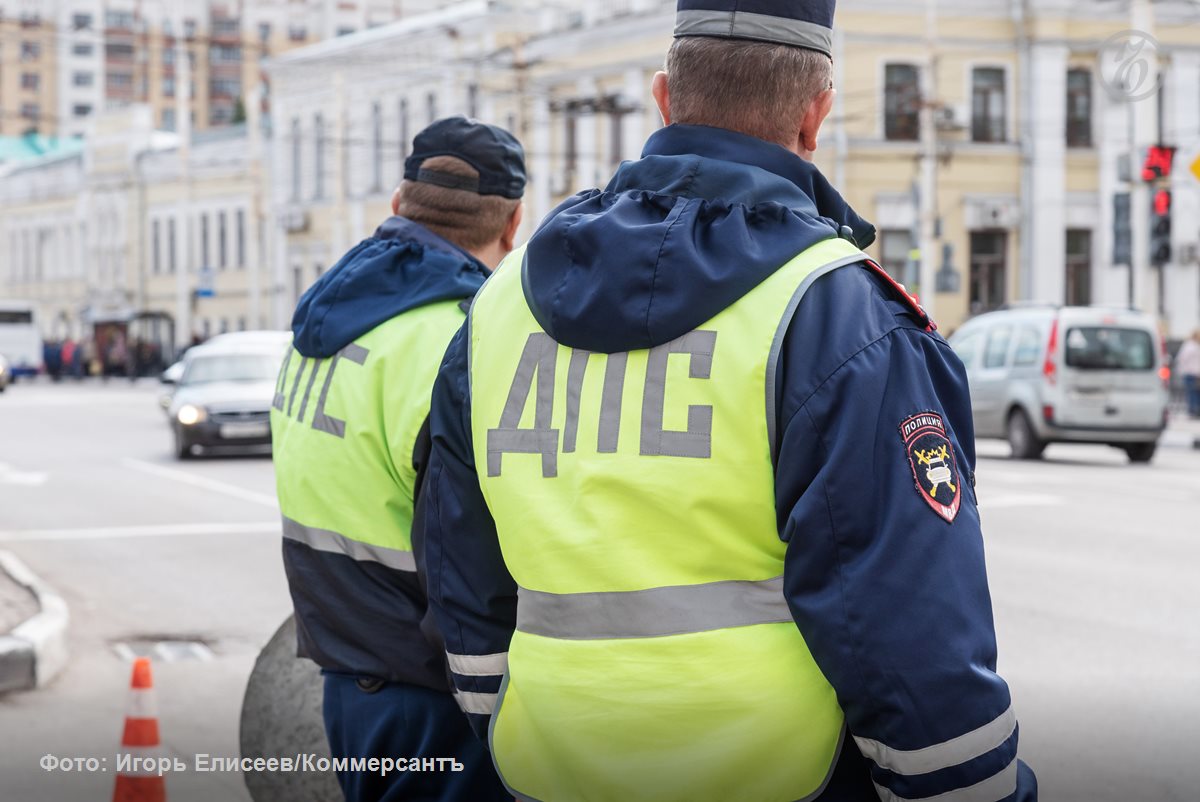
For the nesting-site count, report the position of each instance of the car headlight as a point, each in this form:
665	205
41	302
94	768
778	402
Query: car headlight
190	414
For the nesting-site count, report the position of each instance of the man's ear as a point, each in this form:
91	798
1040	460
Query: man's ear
810	123
662	97
509	238
396	202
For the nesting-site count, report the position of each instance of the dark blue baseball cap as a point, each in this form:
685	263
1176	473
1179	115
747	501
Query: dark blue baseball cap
799	23
491	150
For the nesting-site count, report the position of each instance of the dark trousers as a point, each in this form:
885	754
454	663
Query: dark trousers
406	721
1192	384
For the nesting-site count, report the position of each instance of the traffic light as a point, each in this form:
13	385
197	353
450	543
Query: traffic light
1160	229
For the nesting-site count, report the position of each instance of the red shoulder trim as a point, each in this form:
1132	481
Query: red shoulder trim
913	301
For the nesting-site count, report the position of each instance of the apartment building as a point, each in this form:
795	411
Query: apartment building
62	61
137	221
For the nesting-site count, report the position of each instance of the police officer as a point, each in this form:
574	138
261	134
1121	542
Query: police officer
700	521
351	444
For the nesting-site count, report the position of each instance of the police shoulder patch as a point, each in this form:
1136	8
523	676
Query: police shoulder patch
931	457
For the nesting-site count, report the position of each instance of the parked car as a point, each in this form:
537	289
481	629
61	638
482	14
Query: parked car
1049	374
223	398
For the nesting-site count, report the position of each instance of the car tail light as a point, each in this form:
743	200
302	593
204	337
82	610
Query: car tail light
1048	413
1164	372
1049	366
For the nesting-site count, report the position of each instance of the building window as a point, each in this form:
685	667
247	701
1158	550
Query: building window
297	284
155	251
222	241
189	29
30	51
204	254
168	54
895	245
171	244
81	22
297	33
81	109
83	79
122	20
1079	267
226	88
119	81
1079	108
616	136
168	86
241	323
989	271
295	158
988	104
901	103
83	49
225	54
168	119
240	237
376	148
572	138
118	51
318	270
30	111
318	156
430	107
29	80
264	32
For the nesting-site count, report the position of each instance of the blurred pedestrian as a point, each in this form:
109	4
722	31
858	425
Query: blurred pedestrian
1187	365
700	520
349	474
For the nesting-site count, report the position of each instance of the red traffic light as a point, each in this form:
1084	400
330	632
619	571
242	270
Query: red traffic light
1162	202
1158	163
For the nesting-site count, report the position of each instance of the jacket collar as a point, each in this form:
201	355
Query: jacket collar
401	228
712	164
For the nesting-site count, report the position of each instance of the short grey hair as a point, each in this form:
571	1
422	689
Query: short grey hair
755	88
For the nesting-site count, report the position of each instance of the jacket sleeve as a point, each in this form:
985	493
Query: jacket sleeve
472	596
890	593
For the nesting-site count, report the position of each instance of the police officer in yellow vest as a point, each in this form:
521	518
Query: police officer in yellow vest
351	445
700	519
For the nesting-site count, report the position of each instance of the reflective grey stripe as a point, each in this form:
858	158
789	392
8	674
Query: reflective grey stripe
312	379
697	440
326	540
1000	785
281	382
946	754
478	665
761	27
322	421
481	703
652	613
296	385
781	332
610	403
575	374
538	361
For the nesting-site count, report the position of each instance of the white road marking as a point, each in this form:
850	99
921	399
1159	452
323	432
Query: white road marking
988	501
153	530
11	476
214	485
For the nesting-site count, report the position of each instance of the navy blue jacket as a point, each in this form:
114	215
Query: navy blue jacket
890	593
359	617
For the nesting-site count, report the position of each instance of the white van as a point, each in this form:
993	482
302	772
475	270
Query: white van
1080	374
20	337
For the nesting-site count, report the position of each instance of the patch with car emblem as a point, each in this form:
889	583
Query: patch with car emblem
931	457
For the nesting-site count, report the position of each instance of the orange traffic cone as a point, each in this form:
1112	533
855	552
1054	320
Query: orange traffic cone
138	777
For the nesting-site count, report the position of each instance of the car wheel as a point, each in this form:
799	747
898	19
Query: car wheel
1021	437
1141	452
183	449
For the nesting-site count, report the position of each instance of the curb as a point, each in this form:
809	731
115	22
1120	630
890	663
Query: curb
36	650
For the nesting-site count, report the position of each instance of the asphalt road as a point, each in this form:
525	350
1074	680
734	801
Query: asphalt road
1094	567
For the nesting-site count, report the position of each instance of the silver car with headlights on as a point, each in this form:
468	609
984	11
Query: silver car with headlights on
222	401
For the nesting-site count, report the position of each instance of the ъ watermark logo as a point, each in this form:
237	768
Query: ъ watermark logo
1129	65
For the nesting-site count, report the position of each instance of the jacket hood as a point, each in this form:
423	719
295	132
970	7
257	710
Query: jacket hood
677	236
401	267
